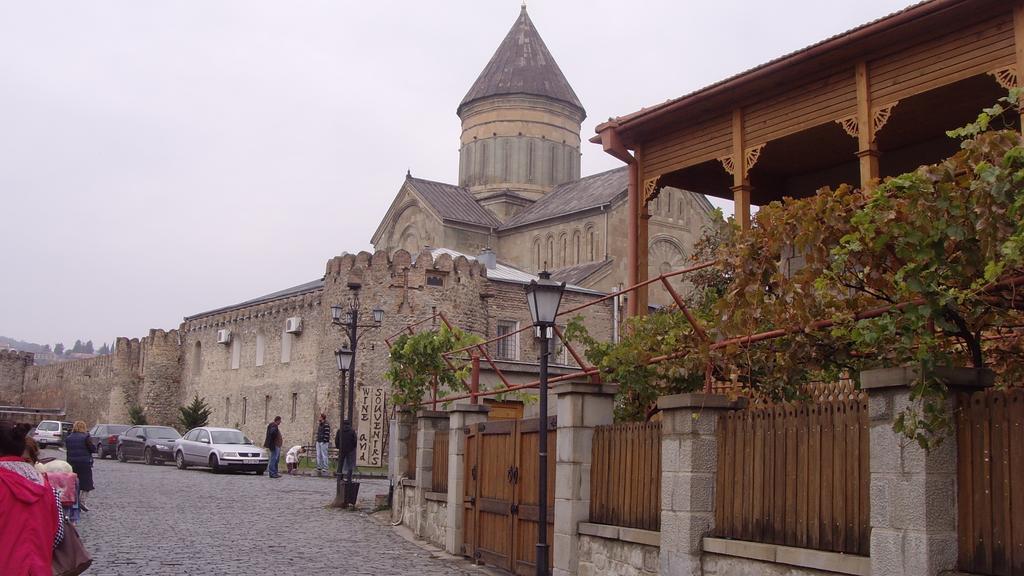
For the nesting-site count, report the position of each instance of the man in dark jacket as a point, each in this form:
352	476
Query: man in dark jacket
345	440
273	442
323	439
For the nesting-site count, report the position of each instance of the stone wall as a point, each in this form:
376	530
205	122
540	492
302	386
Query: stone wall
13	365
276	373
599	556
434	527
722	565
91	389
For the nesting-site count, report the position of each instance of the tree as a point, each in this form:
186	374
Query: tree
88	348
77	349
104	350
416	364
136	416
196	414
58	349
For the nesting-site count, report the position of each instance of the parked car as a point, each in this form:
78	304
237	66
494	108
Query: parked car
51	433
152	444
219	449
104	438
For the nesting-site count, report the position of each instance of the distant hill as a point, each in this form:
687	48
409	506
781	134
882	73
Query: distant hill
45	355
6	342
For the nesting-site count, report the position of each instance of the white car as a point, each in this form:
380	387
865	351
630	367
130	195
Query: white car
51	433
219	449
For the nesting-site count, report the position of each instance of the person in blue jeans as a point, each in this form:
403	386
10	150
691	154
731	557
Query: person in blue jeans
273	442
323	438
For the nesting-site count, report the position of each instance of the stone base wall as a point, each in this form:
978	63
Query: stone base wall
616	557
405	496
434	525
721	565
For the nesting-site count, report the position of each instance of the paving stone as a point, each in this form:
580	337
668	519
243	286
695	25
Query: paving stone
160	520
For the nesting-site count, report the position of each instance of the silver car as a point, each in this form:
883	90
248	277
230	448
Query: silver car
219	449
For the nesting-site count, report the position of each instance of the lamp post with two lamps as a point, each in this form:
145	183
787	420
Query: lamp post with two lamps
348	321
543	297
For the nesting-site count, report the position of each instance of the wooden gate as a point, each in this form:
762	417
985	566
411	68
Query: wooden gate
500	505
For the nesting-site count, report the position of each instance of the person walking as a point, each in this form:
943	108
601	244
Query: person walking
273	442
79	449
32	524
345	440
323	439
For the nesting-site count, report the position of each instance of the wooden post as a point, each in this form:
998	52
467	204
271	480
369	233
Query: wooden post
474	382
867	148
741	183
633	229
641	295
1018	38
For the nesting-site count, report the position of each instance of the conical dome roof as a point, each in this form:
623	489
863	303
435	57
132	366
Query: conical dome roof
522	65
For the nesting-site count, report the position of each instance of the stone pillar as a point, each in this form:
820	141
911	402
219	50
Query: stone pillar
427	422
459	417
581	407
400	458
689	461
913	491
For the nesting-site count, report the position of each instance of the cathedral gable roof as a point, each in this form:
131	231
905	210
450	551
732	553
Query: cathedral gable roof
522	64
576	196
453	203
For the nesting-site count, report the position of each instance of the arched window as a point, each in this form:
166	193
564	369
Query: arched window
576	247
537	261
563	254
551	253
591	245
197	358
261	348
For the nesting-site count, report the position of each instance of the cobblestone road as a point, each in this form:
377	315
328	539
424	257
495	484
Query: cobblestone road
160	520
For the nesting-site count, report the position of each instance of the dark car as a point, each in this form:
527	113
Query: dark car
104	438
153	444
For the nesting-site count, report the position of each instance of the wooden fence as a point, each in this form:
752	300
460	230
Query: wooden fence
625	478
439	474
796	475
990	478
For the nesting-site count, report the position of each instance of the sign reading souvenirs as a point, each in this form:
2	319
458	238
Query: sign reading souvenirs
371	426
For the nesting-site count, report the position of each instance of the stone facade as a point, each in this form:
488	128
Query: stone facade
262	370
599	556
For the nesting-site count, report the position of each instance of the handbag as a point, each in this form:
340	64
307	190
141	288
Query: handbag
70	558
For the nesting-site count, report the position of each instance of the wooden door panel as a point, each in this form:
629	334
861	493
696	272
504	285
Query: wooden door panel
527	492
495	496
469	496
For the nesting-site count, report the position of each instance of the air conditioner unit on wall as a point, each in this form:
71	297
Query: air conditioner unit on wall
223	336
293	325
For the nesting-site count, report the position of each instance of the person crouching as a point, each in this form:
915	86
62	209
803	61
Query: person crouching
291	459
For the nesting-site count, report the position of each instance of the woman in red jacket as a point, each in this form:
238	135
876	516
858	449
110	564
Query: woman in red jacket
30	520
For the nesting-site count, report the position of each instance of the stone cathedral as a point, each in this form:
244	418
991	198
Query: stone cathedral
520	203
520	193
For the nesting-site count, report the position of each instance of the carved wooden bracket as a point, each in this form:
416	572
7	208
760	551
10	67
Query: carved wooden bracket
1006	77
849	125
881	116
651	189
728	164
751	155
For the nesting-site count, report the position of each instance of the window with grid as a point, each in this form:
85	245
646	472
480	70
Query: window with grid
508	347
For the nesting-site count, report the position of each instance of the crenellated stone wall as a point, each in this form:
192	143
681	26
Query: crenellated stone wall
91	389
13	365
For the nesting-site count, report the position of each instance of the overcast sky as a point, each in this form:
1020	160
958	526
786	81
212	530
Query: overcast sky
158	158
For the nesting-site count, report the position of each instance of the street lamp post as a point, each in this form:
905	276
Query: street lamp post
543	297
348	321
